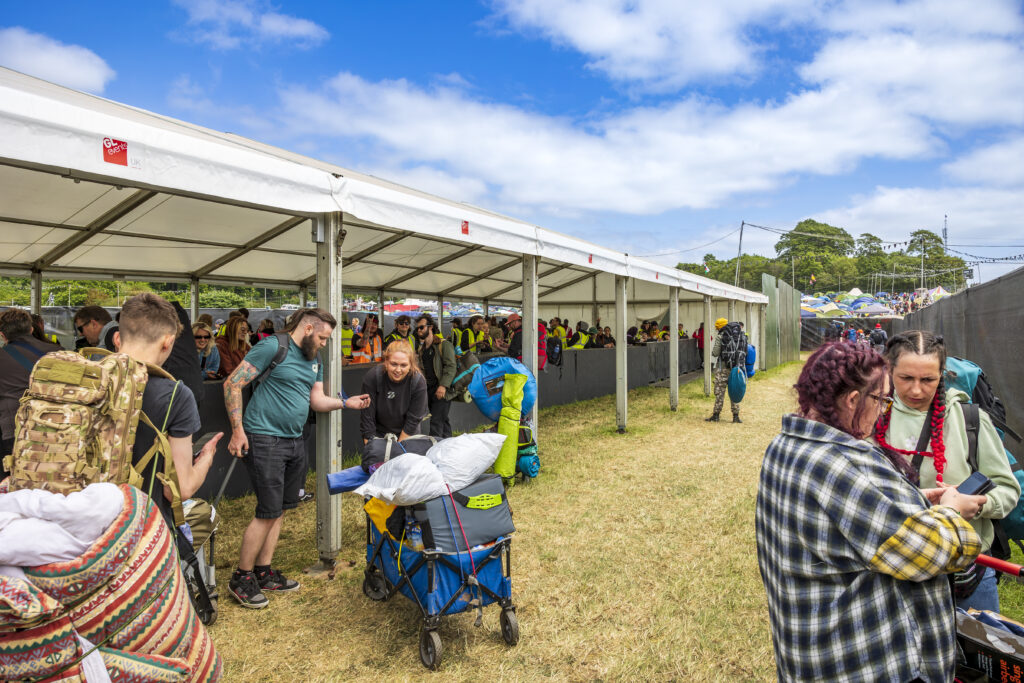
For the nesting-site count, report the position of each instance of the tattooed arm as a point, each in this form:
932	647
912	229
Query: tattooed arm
243	375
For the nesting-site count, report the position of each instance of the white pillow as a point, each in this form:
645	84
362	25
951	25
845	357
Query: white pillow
464	458
406	479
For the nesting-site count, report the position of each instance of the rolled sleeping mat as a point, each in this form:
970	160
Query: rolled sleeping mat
528	461
488	380
508	425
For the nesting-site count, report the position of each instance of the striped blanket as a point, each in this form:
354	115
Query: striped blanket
125	594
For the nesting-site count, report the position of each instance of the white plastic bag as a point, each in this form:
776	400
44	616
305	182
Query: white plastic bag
464	458
406	479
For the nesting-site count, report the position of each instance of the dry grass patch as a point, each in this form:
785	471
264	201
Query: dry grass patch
634	558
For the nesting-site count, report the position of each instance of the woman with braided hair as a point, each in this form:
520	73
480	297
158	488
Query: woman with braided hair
852	554
926	426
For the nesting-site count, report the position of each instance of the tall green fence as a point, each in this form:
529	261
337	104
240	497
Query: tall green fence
782	321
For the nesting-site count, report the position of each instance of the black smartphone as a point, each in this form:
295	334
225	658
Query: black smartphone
976	485
199	443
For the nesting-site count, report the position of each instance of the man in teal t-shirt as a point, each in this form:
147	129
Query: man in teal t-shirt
269	440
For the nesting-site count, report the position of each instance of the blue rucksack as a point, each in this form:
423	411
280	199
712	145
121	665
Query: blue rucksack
968	377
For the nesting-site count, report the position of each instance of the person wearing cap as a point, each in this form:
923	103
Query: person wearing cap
368	345
721	377
879	338
513	346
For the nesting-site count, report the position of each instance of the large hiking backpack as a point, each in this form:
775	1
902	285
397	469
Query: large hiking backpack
734	346
968	377
878	336
77	423
554	350
467	365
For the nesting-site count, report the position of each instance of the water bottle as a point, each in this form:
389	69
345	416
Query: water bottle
414	537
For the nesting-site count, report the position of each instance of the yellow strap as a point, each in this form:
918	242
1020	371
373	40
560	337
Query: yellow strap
169	477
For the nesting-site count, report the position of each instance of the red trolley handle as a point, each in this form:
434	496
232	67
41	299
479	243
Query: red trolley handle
1000	565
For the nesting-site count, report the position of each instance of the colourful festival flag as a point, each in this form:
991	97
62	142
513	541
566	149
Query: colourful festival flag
706	269
812	278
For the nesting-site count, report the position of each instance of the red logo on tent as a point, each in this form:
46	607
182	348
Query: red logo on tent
115	151
590	258
465	227
656	275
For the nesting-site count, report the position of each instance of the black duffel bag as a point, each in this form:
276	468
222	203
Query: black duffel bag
380	449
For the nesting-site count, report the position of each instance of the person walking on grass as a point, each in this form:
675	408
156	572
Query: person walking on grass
726	352
268	439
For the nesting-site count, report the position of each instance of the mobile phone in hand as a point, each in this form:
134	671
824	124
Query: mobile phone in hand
197	446
976	485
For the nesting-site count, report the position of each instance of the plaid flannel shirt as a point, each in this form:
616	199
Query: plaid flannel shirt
852	559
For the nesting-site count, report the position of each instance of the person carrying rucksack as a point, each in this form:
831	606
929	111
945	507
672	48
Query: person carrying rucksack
730	350
878	338
926	424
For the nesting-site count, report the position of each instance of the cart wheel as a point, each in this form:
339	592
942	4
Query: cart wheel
509	626
430	649
209	617
373	587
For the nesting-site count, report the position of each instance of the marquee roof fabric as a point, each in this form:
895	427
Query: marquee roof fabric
91	188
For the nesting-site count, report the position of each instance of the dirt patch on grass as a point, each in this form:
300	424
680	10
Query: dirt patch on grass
634	558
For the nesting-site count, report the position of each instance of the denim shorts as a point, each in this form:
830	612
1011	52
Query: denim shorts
277	469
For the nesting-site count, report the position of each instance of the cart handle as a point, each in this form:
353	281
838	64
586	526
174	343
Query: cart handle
1000	565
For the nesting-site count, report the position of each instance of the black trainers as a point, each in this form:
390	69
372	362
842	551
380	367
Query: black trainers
306	497
247	591
274	580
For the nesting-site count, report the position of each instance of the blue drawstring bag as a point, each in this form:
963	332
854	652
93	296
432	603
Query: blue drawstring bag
751	359
737	384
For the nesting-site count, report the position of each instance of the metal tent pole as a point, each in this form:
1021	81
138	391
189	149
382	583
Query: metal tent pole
36	297
673	349
530	354
709	326
193	288
621	379
328	235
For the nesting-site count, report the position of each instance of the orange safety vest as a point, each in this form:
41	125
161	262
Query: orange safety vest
369	352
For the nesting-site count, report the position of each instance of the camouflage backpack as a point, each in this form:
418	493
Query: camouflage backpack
77	423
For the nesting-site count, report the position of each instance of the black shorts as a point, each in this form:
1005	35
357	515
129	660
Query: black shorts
277	470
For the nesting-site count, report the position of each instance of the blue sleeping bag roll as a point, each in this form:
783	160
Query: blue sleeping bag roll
751	360
737	384
489	380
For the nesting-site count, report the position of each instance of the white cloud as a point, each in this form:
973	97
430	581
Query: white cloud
646	160
230	24
663	44
976	214
41	56
1001	165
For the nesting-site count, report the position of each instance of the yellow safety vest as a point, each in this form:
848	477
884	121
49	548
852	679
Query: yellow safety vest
370	351
469	337
346	341
581	342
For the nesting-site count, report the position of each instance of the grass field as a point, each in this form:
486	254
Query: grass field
634	559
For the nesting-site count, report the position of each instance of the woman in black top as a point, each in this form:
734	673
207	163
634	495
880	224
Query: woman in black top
398	395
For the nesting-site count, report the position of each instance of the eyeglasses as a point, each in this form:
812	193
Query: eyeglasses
402	323
885	402
202	336
421	327
79	328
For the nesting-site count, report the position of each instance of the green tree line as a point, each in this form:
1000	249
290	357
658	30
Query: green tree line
840	262
75	293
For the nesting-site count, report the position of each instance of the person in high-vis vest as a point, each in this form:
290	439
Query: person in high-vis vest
346	340
682	332
368	347
580	339
402	332
474	337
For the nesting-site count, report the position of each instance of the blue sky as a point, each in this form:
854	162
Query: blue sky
650	126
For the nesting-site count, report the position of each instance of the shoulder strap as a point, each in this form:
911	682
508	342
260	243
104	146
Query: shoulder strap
21	357
282	351
972	420
922	441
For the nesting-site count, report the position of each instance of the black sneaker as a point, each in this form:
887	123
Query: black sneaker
306	497
275	581
247	591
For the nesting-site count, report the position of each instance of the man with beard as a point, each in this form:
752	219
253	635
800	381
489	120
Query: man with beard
269	440
437	358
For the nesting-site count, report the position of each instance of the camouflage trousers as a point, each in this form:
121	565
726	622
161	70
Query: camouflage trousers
721	386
